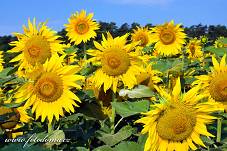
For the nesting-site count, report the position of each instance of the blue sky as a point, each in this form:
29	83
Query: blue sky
14	13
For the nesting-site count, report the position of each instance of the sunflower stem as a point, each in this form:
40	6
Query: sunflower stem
84	49
112	118
219	127
50	128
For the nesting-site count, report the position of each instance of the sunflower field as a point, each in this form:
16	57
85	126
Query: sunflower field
154	88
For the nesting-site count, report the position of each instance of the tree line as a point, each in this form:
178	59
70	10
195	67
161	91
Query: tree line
211	31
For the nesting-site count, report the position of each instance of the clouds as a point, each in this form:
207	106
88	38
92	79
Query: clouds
142	2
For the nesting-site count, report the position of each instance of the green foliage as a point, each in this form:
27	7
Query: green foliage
126	109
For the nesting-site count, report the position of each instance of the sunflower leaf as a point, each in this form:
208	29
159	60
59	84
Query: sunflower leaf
122	134
129	145
140	91
126	108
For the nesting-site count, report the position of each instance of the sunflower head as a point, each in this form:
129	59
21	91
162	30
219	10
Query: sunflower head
168	38
81	27
35	45
194	49
13	117
177	122
50	90
142	35
204	39
116	63
215	83
219	43
149	78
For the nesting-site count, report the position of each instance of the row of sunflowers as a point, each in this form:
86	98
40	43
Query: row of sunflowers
152	89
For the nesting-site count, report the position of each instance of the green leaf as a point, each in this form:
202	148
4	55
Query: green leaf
19	147
5	72
141	91
55	135
104	148
126	108
216	51
71	50
122	134
128	146
142	140
168	65
12	105
81	149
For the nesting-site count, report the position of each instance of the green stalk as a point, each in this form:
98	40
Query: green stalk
84	49
112	118
50	127
219	127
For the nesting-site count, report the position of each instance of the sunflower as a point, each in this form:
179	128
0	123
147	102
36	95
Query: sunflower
35	45
1	61
214	84
141	35
194	49
150	77
117	63
220	43
48	91
16	117
81	27
177	122
70	58
168	38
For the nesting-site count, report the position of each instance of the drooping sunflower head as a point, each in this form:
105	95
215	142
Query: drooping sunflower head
149	78
14	119
49	92
177	122
142	35
35	45
194	49
81	27
116	61
215	83
168	38
1	61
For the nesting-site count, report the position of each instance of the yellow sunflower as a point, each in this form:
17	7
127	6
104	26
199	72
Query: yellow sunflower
194	49
35	45
81	27
70	58
103	98
16	117
150	77
1	61
142	35
117	63
48	91
214	84
168	38
178	121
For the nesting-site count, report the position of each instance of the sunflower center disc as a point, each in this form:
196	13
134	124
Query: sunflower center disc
37	50
192	48
167	37
115	62
49	87
143	40
82	28
218	87
34	51
176	124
